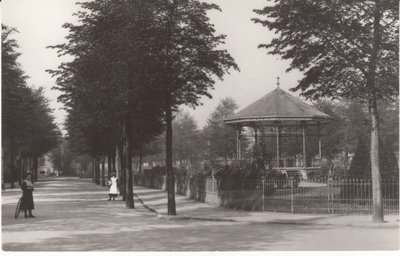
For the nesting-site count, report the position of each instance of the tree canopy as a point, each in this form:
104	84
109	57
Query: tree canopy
221	138
134	63
332	42
188	145
108	76
28	127
192	59
27	119
346	49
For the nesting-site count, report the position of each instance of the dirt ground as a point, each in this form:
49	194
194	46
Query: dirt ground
74	215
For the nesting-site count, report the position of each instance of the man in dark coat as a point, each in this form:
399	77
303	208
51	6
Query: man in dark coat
27	197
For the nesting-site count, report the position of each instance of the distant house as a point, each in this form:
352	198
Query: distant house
45	165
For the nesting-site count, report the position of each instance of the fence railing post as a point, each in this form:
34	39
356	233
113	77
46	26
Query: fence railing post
291	196
263	192
329	183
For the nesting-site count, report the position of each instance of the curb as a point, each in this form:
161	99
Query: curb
279	222
145	205
182	217
166	216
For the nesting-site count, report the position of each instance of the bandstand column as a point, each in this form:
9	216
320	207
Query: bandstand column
278	145
319	145
304	145
238	145
255	152
255	136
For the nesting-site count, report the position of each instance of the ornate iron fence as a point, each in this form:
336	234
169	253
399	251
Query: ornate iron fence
319	195
323	195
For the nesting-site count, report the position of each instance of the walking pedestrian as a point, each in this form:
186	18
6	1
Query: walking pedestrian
113	187
27	196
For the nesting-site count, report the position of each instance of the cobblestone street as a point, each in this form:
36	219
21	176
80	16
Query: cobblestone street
74	214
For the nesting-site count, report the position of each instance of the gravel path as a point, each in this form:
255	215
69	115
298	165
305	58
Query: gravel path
74	215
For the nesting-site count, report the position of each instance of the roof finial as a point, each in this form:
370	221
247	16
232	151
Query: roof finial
277	83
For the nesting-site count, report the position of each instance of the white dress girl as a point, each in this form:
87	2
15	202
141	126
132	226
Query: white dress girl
113	191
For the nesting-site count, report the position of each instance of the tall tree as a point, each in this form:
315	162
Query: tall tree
130	57
342	135
346	49
13	85
333	132
28	127
188	146
112	62
220	137
191	59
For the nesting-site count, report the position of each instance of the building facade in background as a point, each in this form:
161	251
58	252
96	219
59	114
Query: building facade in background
45	165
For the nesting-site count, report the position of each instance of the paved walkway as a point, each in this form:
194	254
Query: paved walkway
73	214
156	201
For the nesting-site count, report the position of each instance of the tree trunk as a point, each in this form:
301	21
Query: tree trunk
168	111
377	213
123	173
119	165
128	161
12	162
124	150
93	168
170	170
35	169
32	165
22	169
114	163
28	165
117	161
140	161
30	160
97	170
3	165
98	182
110	168
103	173
19	169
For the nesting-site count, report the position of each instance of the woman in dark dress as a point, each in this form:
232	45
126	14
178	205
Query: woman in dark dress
27	197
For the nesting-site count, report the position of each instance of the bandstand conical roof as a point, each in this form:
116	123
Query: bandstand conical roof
278	105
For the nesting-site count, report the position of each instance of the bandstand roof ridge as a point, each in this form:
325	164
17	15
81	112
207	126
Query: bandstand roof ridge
278	105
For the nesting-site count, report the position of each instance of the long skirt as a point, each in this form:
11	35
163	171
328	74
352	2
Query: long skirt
113	190
27	200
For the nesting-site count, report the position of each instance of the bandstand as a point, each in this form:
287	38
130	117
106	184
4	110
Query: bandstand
281	130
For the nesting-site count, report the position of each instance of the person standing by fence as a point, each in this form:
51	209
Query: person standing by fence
113	187
27	196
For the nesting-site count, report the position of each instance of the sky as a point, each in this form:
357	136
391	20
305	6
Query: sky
39	23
